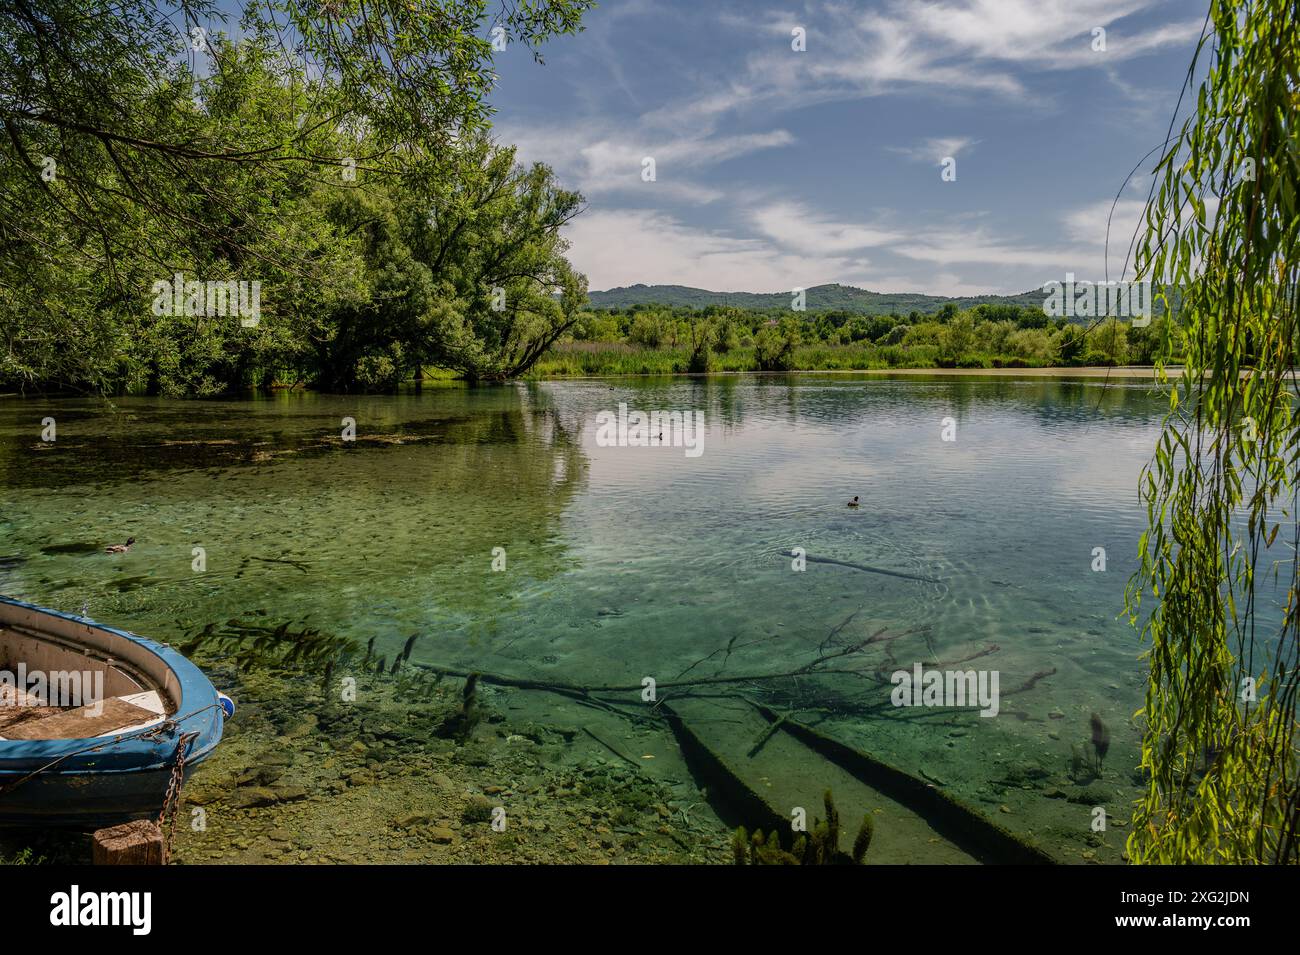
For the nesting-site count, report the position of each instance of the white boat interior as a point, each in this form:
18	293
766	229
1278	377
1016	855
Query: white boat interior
63	679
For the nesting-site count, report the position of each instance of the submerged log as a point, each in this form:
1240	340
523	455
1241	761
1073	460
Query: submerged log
864	567
964	825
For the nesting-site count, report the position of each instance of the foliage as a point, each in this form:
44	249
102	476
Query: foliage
281	648
774	346
1219	749
956	340
492	241
649	329
821	846
615	343
138	141
701	337
24	856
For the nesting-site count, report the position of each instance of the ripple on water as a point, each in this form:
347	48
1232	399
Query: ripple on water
620	562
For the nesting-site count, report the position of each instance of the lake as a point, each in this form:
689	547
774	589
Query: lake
624	563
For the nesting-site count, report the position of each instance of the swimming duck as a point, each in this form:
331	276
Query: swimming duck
854	502
119	548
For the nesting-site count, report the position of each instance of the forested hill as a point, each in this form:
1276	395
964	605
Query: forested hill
819	298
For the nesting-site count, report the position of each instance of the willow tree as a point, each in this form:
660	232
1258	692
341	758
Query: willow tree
1219	557
137	140
490	237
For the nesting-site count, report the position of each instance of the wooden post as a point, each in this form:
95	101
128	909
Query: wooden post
132	843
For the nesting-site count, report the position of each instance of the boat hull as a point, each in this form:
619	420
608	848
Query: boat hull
104	780
89	800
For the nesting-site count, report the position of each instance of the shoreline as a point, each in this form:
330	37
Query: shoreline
1123	372
1085	371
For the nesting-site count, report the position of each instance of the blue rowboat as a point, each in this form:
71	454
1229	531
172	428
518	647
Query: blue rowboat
93	719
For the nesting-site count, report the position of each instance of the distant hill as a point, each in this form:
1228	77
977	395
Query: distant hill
820	298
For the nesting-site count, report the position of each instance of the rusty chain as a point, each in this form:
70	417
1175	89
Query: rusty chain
171	802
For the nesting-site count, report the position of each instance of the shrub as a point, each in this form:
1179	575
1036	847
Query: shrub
701	361
774	347
379	371
895	335
648	329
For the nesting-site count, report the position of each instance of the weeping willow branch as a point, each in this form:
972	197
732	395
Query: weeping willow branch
1219	747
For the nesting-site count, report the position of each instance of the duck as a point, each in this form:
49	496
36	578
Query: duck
119	548
854	502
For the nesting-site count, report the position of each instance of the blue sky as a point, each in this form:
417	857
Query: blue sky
777	168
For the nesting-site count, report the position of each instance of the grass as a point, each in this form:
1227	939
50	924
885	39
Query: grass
596	359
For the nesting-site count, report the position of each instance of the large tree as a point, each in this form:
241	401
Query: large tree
136	141
491	239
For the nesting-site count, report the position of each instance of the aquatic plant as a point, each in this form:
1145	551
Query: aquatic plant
1223	228
863	841
821	846
1100	740
460	725
406	651
251	646
1082	769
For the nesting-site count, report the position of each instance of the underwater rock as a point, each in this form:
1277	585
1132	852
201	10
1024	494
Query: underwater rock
253	797
1025	777
1092	795
413	821
479	809
361	777
303	727
260	776
256	796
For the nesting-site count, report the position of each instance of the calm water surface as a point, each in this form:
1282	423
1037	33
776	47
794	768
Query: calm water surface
623	563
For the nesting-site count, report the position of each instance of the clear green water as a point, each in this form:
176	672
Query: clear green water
624	563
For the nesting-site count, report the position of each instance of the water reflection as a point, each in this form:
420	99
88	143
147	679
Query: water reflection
623	563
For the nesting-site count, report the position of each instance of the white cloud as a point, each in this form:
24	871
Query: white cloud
796	226
953	47
795	247
596	163
935	150
627	246
1045	34
1088	224
980	247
